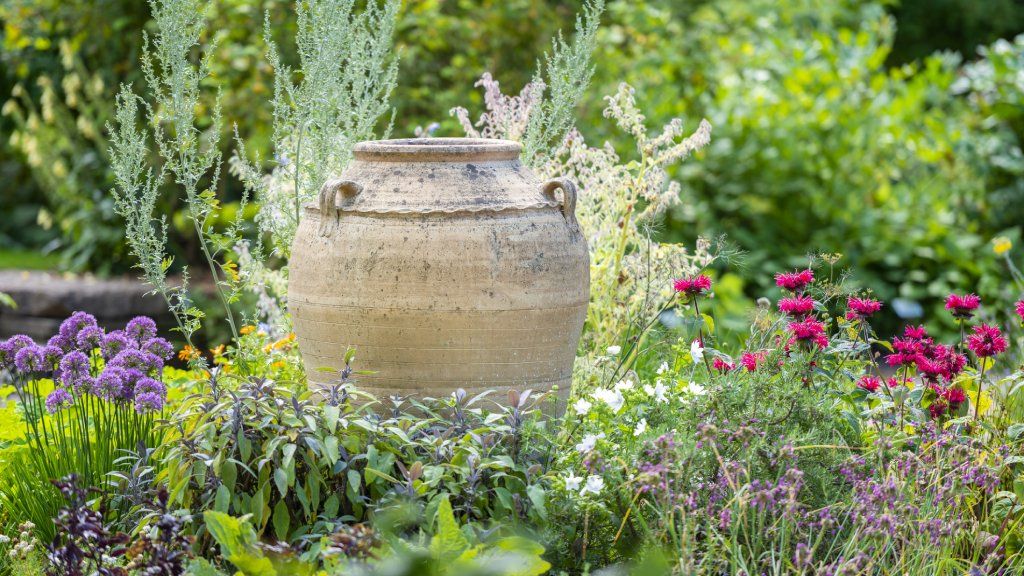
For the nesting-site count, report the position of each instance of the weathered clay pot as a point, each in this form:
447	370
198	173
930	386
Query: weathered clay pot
447	264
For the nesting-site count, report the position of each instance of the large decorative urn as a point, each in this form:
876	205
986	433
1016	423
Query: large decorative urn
446	264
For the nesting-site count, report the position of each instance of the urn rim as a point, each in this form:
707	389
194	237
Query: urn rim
436	150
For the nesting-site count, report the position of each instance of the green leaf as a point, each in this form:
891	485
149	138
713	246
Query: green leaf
282	520
281	480
331	449
331	415
229	474
448	541
372	474
238	543
223	499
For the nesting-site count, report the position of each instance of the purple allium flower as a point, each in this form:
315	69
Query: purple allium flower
58	400
61	342
6	357
148	402
74	369
110	384
159	347
52	354
149	385
74	324
90	338
137	360
114	342
140	329
16	343
131	376
30	359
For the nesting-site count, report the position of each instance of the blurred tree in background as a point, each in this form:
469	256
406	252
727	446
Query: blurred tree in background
836	128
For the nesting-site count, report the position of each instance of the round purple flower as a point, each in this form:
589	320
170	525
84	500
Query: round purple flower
52	354
6	357
140	329
149	385
70	328
30	359
90	338
16	343
115	342
131	377
58	400
159	347
74	369
137	360
149	402
110	384
61	342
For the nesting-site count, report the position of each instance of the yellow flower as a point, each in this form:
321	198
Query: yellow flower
188	354
217	351
247	330
1001	245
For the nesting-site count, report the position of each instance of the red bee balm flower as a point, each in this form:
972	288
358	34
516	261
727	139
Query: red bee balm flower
751	359
937	408
692	286
962	306
809	330
869	383
794	281
955	397
986	341
797	307
918	333
722	365
861	307
1019	307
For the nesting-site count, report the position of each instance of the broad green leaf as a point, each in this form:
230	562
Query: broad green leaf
282	520
448	541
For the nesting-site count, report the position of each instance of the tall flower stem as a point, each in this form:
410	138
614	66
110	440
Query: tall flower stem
981	382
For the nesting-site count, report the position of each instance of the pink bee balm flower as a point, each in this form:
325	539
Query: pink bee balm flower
692	286
750	360
861	307
918	333
905	352
809	330
938	407
722	365
986	341
962	307
1019	307
797	307
955	396
869	383
794	281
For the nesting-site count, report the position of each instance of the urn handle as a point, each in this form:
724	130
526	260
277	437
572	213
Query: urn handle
568	197
333	195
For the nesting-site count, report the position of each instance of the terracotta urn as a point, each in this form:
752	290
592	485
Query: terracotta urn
446	264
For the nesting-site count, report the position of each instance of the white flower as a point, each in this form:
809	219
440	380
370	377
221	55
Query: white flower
658	391
613	398
588	442
695	389
696	352
614	350
582	406
623	385
594	485
663	368
641	427
572	482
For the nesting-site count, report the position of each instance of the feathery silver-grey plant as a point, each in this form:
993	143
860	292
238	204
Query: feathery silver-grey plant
345	80
188	157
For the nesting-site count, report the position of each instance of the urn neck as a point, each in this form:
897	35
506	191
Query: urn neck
437	150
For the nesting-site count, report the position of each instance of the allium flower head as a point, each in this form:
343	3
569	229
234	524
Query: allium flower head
6	358
861	308
986	341
89	338
114	343
61	342
110	384
58	400
962	307
150	385
74	369
149	402
16	343
809	330
692	286
140	329
869	383
137	360
30	359
797	307
52	354
74	324
794	281
159	347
